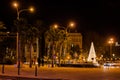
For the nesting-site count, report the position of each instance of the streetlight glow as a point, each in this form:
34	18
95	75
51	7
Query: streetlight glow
72	24
15	4
55	26
111	41
31	9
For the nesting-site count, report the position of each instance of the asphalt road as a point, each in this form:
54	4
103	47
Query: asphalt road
61	73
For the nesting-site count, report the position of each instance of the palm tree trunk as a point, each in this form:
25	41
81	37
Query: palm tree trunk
53	51
48	52
64	53
30	55
60	55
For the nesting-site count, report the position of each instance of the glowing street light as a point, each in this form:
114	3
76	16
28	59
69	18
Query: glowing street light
31	9
111	41
55	26
15	4
70	25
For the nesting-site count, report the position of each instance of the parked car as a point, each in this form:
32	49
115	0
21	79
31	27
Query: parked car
112	64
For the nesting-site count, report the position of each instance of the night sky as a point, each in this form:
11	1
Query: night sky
102	16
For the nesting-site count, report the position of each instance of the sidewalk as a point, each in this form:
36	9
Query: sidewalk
43	72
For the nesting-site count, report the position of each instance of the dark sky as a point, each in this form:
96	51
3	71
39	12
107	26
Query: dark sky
102	16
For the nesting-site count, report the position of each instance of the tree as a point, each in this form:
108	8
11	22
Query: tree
2	26
31	36
20	27
75	51
55	36
42	29
29	33
2	44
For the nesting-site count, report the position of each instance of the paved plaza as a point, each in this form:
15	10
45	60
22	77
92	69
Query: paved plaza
63	73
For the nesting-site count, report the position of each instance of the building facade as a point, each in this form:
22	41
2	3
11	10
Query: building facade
75	38
71	45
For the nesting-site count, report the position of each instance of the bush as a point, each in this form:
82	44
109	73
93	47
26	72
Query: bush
9	61
83	65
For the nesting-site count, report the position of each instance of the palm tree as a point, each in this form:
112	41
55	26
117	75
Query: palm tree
55	36
42	29
31	36
2	39
2	25
21	26
28	33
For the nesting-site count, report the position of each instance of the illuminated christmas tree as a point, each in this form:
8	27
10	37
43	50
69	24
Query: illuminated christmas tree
92	54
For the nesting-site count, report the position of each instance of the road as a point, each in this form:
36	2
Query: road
63	73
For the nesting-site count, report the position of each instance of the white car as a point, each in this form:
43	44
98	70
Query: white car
112	64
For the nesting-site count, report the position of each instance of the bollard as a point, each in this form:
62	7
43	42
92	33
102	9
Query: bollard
3	69
35	70
18	67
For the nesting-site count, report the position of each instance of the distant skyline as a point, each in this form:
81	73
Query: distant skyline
101	16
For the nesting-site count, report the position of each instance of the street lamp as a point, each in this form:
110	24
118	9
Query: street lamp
70	25
111	41
19	11
65	29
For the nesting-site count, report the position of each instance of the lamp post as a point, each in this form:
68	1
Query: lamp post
111	41
65	29
70	25
19	11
